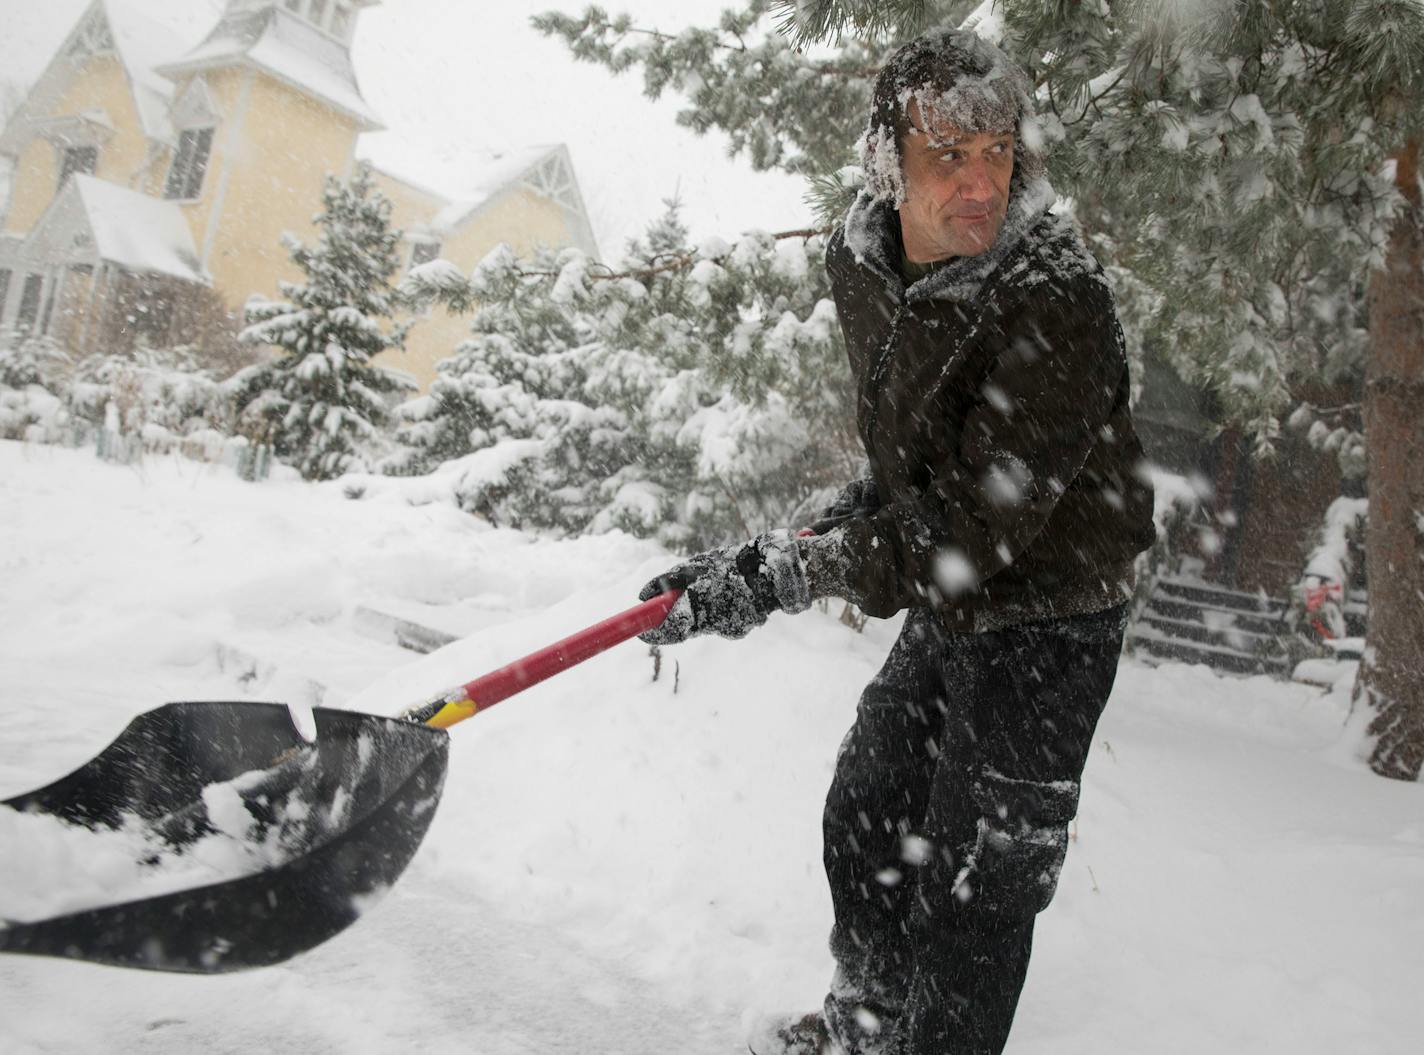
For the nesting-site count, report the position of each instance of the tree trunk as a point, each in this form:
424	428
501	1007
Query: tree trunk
1391	679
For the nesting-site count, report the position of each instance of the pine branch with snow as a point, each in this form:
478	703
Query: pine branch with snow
778	106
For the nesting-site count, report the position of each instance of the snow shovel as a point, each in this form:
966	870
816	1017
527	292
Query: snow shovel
256	831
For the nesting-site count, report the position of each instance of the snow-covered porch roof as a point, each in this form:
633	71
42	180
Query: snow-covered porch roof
92	222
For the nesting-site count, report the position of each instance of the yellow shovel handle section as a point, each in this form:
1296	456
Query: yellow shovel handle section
453	711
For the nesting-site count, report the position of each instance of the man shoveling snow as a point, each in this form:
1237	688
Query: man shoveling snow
1003	508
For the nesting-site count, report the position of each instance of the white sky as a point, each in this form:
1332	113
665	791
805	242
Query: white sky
471	76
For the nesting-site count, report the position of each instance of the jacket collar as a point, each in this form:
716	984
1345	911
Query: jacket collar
872	234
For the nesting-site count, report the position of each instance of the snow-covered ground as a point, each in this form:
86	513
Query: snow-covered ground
628	866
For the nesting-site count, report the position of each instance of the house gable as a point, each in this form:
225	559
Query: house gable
108	29
550	176
525	198
61	236
97	91
91	108
91	36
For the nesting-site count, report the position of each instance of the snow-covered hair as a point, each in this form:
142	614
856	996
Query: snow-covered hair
961	79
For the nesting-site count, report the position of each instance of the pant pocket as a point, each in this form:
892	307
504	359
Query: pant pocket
1020	844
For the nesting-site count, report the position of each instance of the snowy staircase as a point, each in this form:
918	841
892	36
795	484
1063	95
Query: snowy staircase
1190	621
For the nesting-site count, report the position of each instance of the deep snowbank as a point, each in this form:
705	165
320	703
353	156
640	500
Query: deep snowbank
623	865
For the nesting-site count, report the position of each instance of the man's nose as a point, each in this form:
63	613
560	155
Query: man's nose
978	185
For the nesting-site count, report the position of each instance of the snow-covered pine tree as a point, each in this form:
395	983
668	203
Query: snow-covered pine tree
487	390
321	400
1257	165
726	362
697	394
780	106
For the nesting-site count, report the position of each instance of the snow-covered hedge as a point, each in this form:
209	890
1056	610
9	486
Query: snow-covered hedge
158	396
33	414
31	372
146	401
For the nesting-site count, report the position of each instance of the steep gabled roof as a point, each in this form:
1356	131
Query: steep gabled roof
287	48
142	44
469	184
124	29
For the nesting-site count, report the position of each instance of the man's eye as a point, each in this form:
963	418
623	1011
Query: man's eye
952	155
1000	148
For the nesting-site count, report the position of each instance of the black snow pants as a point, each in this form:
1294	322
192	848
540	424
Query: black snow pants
947	824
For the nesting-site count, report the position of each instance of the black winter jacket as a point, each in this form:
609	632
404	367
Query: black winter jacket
1008	477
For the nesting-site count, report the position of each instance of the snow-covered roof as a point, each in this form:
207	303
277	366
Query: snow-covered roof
136	231
501	171
140	34
466	179
287	48
142	44
447	168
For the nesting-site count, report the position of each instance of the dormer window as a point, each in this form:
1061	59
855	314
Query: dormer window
332	16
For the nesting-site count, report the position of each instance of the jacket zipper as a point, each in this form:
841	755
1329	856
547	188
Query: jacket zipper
876	380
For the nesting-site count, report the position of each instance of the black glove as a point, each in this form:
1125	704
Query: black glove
857	498
731	590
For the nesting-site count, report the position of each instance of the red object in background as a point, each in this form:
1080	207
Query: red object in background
1316	598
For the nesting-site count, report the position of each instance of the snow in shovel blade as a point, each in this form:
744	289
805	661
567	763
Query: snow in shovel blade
54	868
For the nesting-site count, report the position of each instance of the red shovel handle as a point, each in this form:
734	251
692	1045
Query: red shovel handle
458	704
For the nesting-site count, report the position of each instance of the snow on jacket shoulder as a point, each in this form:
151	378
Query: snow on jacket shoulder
999	437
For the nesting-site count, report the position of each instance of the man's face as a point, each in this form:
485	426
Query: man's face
956	188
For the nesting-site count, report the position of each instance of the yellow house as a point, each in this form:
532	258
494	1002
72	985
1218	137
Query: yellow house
156	167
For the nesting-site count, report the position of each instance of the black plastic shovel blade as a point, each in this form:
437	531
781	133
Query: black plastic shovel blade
336	822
